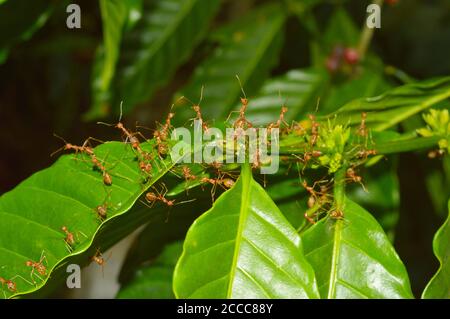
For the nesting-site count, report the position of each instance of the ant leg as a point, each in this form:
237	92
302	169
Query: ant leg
43	258
19	276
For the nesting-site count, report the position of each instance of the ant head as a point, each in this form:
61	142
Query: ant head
29	263
244	101
170	115
11	285
312	117
64	229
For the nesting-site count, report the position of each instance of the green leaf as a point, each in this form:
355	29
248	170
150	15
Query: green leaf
396	105
243	248
248	48
114	15
297	89
353	258
154	280
381	194
367	84
340	30
19	21
163	39
166	226
439	286
67	194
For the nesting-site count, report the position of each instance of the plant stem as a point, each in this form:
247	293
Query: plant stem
367	35
339	188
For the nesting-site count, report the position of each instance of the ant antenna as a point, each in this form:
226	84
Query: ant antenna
201	95
62	147
317	105
121	110
120	117
240	84
56	135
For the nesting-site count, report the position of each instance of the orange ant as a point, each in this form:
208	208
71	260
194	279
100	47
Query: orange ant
241	122
366	153
130	136
162	134
362	129
316	197
280	120
70	238
152	197
225	183
198	111
107	179
337	214
436	153
102	209
314	130
78	149
145	167
188	174
90	152
99	260
37	266
353	177
11	285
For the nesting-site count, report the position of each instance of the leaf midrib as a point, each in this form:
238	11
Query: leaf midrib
243	214
335	260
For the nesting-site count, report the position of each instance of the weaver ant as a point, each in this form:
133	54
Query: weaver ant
88	151
316	198
353	177
153	197
198	111
225	183
241	122
188	174
337	214
37	266
11	285
70	238
99	260
130	136
362	129
102	209
280	120
162	134
314	130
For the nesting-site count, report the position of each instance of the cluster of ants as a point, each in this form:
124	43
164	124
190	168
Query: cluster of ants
319	195
320	199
